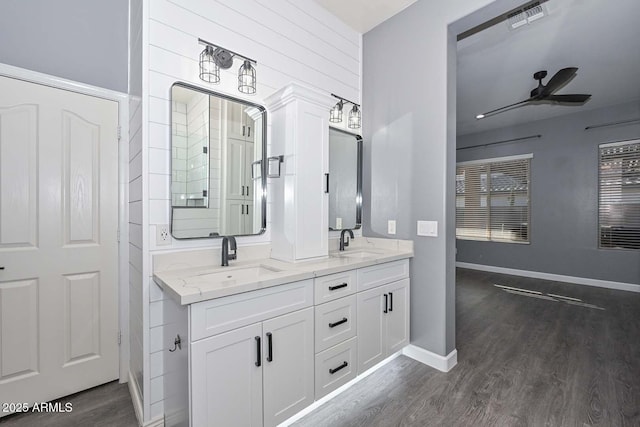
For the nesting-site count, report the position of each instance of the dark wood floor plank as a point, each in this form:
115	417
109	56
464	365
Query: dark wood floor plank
522	361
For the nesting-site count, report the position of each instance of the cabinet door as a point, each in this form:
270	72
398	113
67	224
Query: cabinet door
226	384
236	127
235	218
288	374
235	169
397	318
371	328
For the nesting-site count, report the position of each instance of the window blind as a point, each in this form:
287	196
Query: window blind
492	199
619	195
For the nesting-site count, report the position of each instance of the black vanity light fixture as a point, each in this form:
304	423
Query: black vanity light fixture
214	57
355	115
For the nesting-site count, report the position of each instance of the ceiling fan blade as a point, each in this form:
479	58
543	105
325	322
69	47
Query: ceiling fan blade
498	110
567	98
559	78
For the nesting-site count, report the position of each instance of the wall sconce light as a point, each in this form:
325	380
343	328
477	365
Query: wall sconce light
215	57
335	116
355	116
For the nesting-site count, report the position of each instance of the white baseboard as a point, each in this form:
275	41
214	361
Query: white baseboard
441	363
158	422
621	286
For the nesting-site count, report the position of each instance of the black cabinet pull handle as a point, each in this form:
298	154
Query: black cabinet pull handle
1	268
258	351
247	209
243	190
386	303
338	323
326	189
390	301
344	365
269	347
242	208
247	190
243	130
333	288
248	130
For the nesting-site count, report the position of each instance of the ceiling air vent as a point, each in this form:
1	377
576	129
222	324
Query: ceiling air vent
526	15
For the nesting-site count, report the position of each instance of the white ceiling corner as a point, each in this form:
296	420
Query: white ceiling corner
363	15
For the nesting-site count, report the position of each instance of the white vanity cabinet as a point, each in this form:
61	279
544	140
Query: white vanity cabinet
383	312
264	369
249	358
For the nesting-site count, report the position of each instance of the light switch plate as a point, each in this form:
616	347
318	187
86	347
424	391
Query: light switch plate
428	228
391	226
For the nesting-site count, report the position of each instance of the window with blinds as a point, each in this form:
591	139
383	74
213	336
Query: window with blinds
619	195
492	199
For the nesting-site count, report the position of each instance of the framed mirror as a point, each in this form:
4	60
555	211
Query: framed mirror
345	183
218	179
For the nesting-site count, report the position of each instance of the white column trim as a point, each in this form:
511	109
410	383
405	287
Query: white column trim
441	363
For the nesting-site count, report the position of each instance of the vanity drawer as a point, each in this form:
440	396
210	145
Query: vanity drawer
334	286
335	322
224	314
380	274
336	367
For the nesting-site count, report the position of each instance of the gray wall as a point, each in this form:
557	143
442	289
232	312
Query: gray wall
80	40
409	69
564	196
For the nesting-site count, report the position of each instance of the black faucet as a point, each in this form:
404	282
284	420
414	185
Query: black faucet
228	243
344	244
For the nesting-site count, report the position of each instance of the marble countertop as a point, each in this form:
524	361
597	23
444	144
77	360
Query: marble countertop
187	282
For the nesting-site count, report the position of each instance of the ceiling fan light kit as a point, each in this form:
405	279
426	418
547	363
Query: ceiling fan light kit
546	93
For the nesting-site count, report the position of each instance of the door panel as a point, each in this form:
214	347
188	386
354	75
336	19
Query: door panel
18	176
226	383
82	317
371	334
58	241
289	376
81	146
18	330
398	316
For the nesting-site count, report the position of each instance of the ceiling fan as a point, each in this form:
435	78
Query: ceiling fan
546	92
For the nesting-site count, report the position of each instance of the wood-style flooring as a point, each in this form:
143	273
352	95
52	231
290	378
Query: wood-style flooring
108	405
523	360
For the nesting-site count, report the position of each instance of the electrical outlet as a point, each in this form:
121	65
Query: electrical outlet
391	226
428	228
162	235
338	223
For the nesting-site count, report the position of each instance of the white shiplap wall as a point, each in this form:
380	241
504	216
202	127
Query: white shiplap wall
292	40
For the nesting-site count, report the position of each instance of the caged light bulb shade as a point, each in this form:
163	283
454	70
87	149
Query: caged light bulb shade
355	118
209	70
335	115
247	78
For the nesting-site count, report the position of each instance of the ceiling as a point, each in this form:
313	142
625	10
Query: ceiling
496	65
363	15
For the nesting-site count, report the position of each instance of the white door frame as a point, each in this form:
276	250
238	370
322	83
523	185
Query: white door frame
123	187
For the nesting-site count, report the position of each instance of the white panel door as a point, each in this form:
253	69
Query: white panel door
226	372
58	249
288	372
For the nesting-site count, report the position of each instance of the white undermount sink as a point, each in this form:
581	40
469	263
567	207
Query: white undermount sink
239	274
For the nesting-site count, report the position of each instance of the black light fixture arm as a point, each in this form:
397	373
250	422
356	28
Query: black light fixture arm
345	100
206	43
